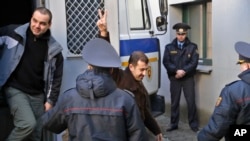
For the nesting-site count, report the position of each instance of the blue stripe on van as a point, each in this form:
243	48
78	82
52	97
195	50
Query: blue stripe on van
146	45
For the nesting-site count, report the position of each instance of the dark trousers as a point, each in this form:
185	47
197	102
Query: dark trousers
176	87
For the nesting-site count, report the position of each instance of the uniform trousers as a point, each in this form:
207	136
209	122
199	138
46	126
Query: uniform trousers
188	87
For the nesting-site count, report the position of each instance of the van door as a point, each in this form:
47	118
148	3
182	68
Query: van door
135	30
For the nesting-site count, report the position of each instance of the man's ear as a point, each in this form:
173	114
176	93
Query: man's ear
131	67
248	65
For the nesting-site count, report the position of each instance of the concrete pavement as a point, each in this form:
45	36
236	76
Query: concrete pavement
184	133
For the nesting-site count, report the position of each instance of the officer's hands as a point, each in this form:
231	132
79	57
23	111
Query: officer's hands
159	137
180	74
102	23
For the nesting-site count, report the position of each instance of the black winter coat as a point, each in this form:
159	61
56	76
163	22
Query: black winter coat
185	59
125	80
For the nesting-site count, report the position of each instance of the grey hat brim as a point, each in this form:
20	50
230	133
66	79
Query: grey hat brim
99	52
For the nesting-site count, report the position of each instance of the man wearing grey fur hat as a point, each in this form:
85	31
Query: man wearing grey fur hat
96	109
233	105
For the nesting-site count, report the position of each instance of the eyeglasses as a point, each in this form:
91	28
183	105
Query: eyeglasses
181	34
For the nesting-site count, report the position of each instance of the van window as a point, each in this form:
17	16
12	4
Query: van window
163	8
138	15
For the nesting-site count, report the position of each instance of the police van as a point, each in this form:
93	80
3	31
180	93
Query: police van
132	25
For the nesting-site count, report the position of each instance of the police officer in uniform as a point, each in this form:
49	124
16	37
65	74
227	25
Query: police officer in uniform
180	60
95	109
233	104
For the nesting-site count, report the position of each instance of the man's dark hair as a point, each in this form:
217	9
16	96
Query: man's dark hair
44	11
136	56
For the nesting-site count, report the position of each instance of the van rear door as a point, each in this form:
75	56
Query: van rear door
131	28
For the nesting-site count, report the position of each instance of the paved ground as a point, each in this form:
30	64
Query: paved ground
184	133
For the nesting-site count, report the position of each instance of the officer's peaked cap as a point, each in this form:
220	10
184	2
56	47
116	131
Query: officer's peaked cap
243	49
181	27
98	52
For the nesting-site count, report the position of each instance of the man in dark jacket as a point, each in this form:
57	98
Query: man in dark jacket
180	60
131	79
96	109
31	65
233	105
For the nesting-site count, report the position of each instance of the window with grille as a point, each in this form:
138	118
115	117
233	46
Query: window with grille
81	18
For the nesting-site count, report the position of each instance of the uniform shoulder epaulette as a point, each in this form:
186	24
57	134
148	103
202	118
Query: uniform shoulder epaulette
129	92
232	83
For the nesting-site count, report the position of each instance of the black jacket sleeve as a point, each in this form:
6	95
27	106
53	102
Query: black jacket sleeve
57	80
105	38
